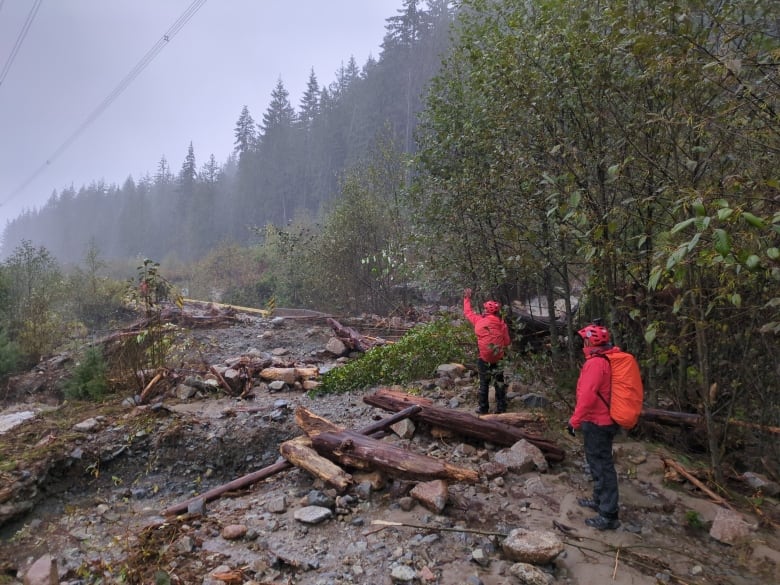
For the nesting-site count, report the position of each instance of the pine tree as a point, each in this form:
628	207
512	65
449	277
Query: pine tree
245	133
310	103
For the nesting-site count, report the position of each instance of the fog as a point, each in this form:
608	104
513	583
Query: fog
93	90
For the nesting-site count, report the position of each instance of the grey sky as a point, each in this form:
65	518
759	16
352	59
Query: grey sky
231	53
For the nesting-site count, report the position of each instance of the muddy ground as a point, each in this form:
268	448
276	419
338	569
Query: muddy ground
92	498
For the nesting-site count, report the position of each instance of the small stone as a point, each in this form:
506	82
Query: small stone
234	531
312	514
402	574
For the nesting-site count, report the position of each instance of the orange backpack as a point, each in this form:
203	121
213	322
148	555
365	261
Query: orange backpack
625	406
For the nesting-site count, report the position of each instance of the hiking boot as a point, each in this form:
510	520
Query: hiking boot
481	411
588	503
602	523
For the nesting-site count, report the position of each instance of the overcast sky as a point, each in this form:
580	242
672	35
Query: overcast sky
76	54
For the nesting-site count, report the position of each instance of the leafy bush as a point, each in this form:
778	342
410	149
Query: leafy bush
10	354
89	380
416	355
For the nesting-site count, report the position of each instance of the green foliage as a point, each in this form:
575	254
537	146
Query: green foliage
693	520
34	300
10	354
88	381
416	355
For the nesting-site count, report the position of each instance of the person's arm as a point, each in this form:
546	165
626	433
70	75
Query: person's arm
467	310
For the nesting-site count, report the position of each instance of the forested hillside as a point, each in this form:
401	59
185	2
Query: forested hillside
287	161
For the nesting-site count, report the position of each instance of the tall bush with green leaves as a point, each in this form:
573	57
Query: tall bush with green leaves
34	300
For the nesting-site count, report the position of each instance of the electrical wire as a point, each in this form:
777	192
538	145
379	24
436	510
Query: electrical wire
180	22
19	40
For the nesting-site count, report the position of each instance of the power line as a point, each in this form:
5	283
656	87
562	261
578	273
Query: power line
117	91
20	39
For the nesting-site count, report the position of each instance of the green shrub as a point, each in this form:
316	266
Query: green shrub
89	381
416	355
10	354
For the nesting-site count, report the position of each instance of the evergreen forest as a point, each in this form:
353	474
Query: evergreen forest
616	159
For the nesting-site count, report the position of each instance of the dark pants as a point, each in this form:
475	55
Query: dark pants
598	453
491	373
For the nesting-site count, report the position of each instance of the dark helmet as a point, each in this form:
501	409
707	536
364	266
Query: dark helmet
596	334
492	307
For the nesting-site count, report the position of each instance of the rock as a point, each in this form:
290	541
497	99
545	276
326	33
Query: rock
277	386
537	547
233	531
729	527
404	428
312	514
407	504
363	490
534	486
336	347
530	451
529	575
478	556
450	370
532	400
492	469
515	461
319	498
42	572
184	392
277	505
196	506
402	574
759	482
426	574
87	426
431	494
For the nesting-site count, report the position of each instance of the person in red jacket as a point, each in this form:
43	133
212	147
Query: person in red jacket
591	414
492	341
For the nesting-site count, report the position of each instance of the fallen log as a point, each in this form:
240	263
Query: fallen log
351	338
300	453
672	417
281	465
463	423
349	446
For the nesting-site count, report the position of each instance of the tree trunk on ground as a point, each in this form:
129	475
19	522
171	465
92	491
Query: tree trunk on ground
463	423
350	447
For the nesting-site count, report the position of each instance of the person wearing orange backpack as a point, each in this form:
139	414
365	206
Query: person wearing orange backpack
591	415
492	340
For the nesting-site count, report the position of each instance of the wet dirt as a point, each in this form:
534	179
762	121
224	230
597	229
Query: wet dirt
96	497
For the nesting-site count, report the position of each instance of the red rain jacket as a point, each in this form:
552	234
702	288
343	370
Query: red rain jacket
492	333
595	379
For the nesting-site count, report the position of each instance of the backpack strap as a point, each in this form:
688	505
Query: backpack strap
604	400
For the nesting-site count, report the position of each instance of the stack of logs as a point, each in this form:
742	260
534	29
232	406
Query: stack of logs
327	450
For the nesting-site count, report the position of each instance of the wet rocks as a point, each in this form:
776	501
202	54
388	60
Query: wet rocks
536	547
